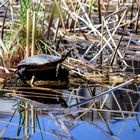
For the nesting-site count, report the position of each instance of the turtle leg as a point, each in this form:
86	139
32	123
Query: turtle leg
57	70
20	75
32	80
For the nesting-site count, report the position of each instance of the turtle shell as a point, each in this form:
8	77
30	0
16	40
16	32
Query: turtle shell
40	61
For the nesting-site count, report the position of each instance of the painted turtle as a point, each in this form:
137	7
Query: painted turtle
43	67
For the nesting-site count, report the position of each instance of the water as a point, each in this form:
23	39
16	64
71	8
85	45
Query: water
52	121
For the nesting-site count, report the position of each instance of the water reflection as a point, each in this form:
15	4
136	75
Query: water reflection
112	116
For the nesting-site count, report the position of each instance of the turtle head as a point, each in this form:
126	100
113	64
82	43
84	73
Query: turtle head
65	54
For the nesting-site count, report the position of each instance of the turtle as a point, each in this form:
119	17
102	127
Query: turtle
43	67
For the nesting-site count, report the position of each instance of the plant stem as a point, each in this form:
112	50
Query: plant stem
27	50
33	34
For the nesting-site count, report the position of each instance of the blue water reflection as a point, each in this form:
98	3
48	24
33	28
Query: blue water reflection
122	129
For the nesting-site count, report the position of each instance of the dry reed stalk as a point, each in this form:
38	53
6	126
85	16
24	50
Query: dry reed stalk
105	110
101	107
33	34
103	93
110	38
3	46
104	120
51	18
4	19
27	49
118	104
60	12
131	112
26	119
57	28
115	52
138	17
33	118
11	8
102	34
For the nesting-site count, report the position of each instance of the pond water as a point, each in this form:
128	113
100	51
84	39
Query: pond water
52	122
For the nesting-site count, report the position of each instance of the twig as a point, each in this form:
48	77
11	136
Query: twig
33	34
27	49
103	93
